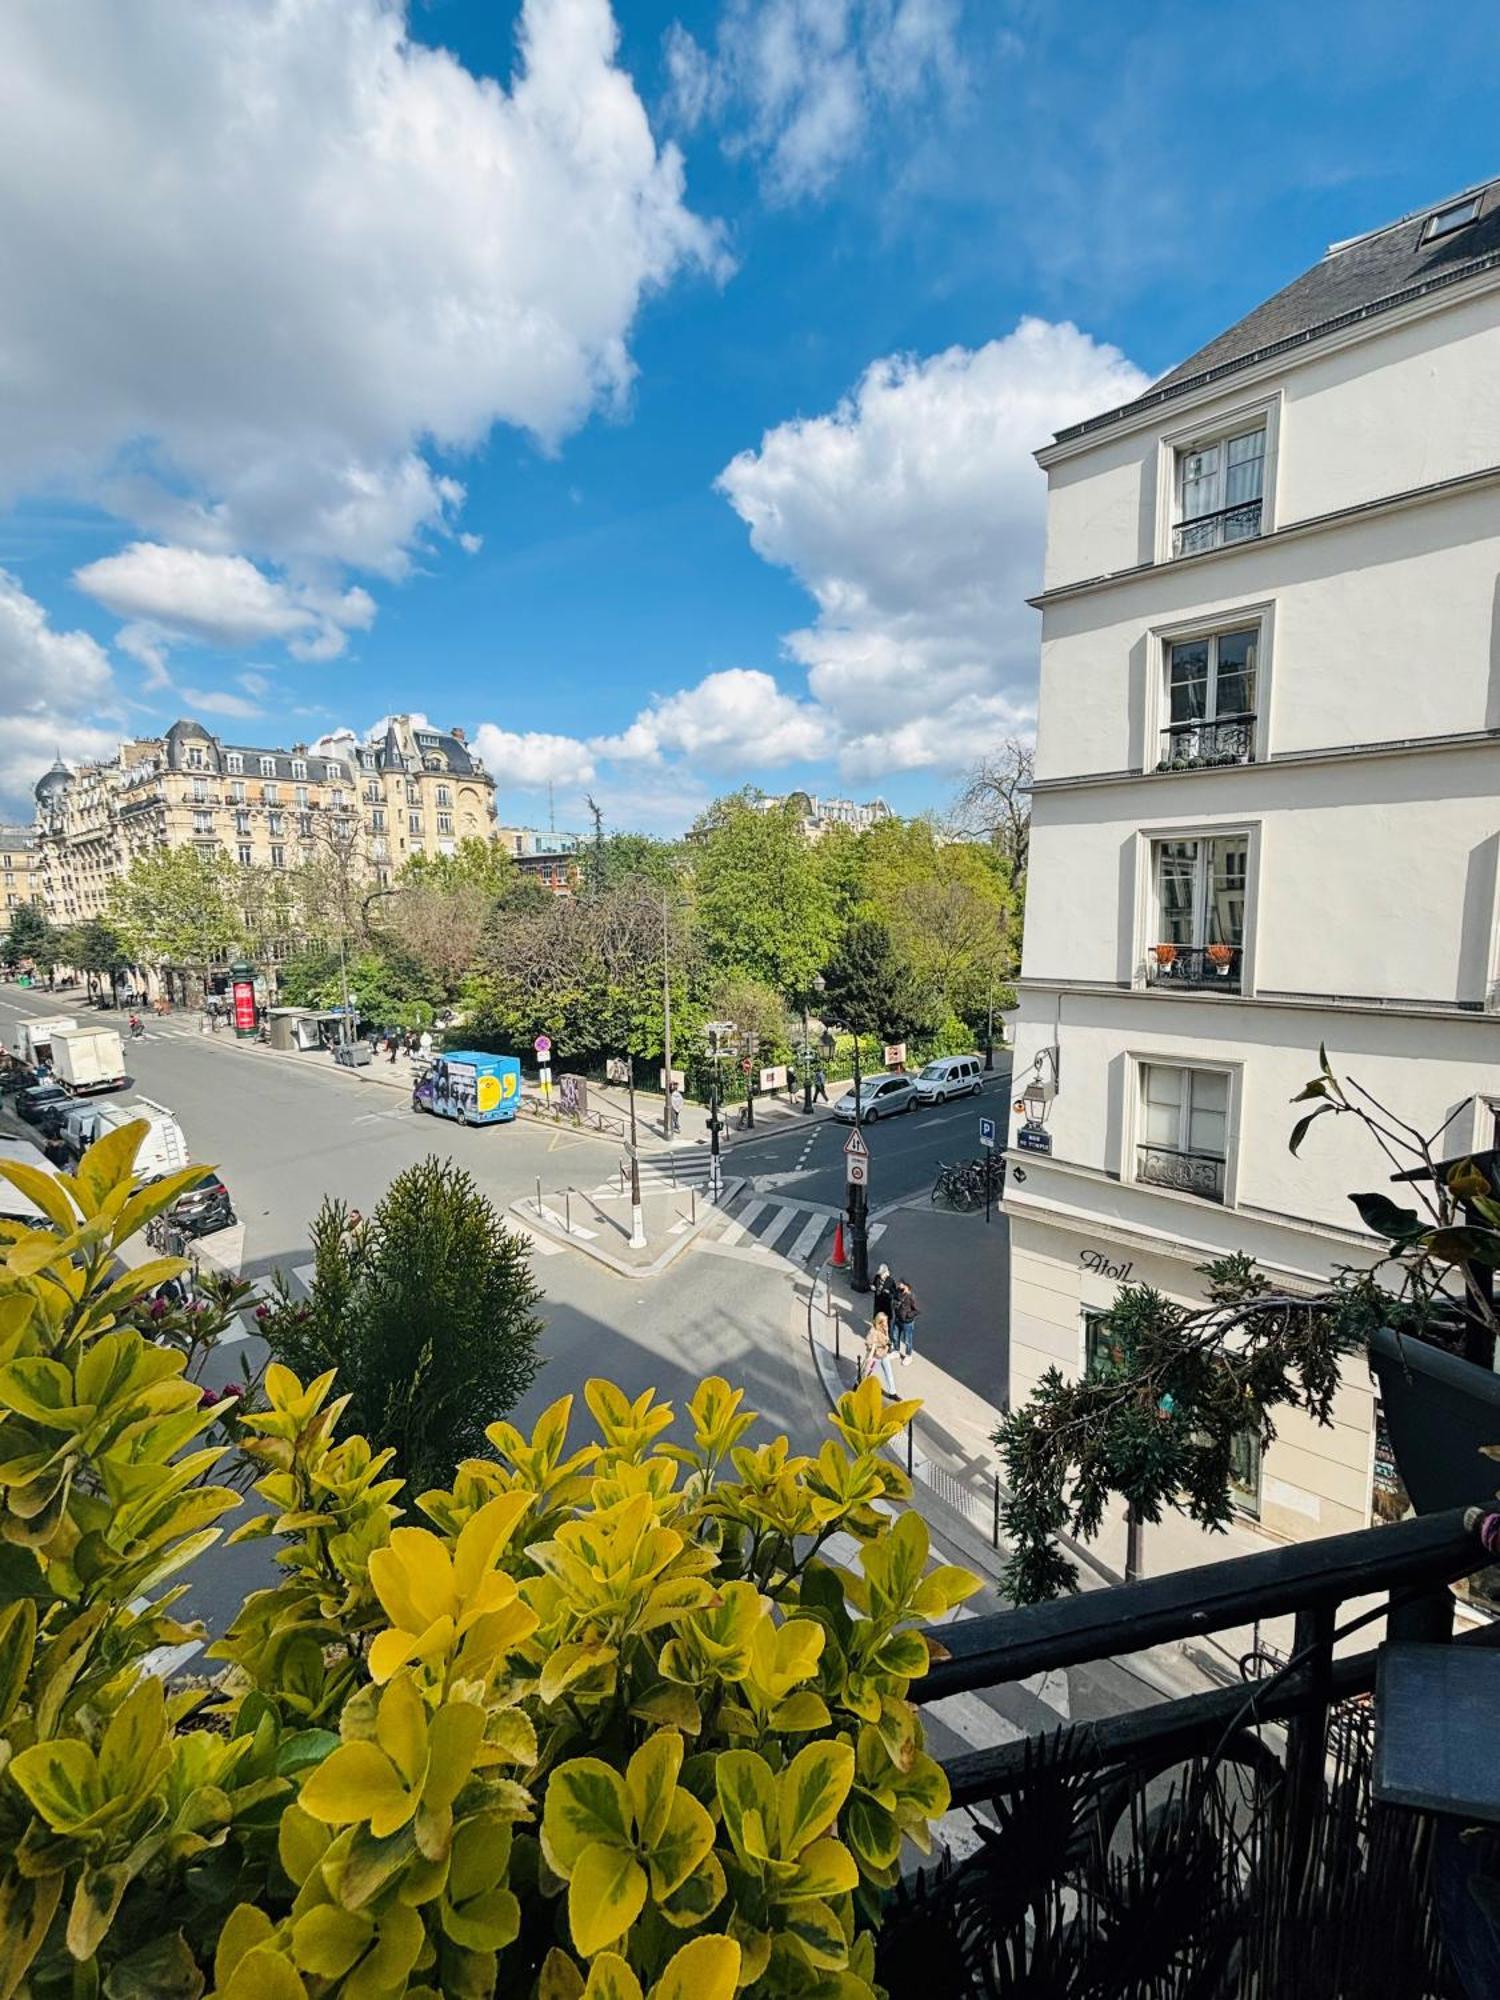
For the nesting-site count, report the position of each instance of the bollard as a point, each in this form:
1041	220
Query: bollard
910	1429
693	1197
996	1535
568	1211
538	1194
838	1352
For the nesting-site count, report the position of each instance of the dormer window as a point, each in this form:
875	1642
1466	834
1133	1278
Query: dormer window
233	760
1454	216
268	767
299	767
1220	491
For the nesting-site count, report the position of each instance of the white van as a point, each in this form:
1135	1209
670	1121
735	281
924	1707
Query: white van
164	1148
15	1206
950	1076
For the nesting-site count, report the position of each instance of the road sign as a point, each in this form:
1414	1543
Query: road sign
986	1131
679	1079
617	1069
895	1055
857	1170
543	1045
855	1147
774	1078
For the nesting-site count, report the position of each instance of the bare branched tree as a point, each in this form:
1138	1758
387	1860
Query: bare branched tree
995	804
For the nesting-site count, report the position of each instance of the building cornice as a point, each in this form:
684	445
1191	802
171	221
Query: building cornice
1317	1003
1414	302
1313	524
1334	753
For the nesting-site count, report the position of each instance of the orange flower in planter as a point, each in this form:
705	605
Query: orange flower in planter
1221	955
1164	954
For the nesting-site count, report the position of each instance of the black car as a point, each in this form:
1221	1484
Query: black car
203	1208
36	1103
17	1076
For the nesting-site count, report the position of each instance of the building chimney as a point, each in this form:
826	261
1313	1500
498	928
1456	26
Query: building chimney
457	734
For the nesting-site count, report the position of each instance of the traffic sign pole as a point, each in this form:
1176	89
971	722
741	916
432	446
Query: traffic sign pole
987	1140
857	1175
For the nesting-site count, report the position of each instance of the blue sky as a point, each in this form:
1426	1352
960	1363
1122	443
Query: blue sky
659	409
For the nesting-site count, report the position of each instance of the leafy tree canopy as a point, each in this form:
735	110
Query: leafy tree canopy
177	906
30	936
869	989
764	906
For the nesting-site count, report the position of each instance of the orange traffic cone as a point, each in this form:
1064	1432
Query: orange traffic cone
839	1259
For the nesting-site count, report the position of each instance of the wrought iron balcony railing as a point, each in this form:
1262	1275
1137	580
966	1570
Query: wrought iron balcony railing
1214	966
1231	1837
1216	531
1227	739
1189	1173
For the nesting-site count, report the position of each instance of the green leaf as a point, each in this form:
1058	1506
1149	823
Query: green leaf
1464	1246
810	1792
651	1780
826	1868
165	1969
586	1803
747	1799
1303	1125
871	1830
706	1968
61	1780
1379	1213
698	1897
684	1840
819	1933
606	1894
327	1941
17	1645
610	1978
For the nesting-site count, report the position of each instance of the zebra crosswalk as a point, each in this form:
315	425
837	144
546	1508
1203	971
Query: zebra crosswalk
668	1167
758	1226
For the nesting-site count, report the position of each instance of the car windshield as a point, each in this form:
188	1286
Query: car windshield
932	1072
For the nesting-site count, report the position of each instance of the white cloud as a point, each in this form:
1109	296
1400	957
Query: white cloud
49	681
804	85
171	594
730	719
290	255
531	759
913	515
220	701
255	683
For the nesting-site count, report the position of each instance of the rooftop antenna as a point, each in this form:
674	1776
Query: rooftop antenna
551	808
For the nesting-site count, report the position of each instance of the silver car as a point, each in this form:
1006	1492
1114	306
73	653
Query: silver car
880	1097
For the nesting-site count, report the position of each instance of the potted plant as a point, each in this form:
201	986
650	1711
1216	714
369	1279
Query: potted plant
1221	958
1165	955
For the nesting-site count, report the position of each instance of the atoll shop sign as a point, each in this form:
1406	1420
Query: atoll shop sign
1099	1264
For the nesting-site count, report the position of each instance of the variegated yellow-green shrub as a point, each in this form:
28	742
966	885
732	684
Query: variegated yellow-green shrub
597	1720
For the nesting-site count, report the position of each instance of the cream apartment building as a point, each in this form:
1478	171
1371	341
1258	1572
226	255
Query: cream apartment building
415	791
20	878
1267	810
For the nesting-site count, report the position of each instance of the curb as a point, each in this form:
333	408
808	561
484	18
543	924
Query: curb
544	1225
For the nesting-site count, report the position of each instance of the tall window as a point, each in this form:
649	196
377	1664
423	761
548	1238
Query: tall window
1220	489
333	768
243	852
195	758
233	760
1184	1129
414	823
445	822
305	826
200	791
413	794
273	825
278	857
1244	1473
445	795
377	820
1211	700
1200	911
302	798
237	792
242	822
336	798
270	795
268	767
203	822
299	767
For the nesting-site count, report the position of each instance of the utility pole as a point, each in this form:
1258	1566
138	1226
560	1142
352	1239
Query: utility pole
989	1033
666	1015
637	1213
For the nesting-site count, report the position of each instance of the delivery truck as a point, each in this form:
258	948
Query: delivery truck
33	1043
164	1148
474	1088
87	1060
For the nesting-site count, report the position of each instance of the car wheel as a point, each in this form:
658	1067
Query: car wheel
871	1115
940	1097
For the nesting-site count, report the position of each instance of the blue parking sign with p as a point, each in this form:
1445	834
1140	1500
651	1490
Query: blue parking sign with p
986	1131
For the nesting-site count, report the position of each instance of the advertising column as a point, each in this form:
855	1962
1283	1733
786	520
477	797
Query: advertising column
242	993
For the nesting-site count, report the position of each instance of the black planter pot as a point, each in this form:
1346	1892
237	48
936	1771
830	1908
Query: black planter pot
1440	1411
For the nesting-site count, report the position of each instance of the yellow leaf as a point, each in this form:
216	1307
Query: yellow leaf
263	1974
707	1968
747	1799
605	1895
457	1729
651	1779
354	1783
684	1840
610	1978
810	1792
484	1536
401	1731
413	1578
301	1843
328	1940
586	1802
561	1979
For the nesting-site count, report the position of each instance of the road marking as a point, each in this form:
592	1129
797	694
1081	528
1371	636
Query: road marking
543	1245
877	1230
736	1229
980	1726
803	1247
164	1661
784	1217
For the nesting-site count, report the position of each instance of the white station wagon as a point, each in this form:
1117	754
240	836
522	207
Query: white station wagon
950	1076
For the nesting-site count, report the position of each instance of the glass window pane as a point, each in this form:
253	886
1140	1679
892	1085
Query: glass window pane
1200	482
1207	1112
1176	873
1162	1106
1189	681
1229	862
1236	678
1246	459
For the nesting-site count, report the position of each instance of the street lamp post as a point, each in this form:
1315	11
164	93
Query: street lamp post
807	1081
717	1032
637	1212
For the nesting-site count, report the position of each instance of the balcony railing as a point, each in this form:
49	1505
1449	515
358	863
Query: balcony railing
1225	1843
1201	1174
1216	531
1188	746
1215	967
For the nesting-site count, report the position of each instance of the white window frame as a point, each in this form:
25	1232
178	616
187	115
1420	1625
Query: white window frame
1147	902
270	795
1202	894
1133	1121
278	857
333	768
237	793
268	767
243	853
1162	638
299	767
233	761
1264	413
414	825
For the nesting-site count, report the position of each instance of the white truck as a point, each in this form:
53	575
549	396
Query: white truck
164	1148
33	1043
85	1060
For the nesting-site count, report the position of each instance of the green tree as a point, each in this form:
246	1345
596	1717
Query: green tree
388	987
94	947
427	1312
31	936
626	857
177	906
868	989
763	904
474	864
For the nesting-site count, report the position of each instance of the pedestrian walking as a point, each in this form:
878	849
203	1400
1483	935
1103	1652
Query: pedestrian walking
877	1355
820	1085
390	1047
907	1310
791	1083
675	1102
883	1293
424	1043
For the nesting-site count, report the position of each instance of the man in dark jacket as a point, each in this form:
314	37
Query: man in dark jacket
883	1299
905	1323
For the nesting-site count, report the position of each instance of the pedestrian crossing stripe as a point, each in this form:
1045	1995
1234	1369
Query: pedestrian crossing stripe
762	1225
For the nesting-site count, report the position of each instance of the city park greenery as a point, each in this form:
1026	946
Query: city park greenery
908	930
590	1717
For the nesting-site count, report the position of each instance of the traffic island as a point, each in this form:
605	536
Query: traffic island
673	1219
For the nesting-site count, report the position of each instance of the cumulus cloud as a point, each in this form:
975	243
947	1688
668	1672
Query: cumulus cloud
913	515
801	85
49	681
221	701
531	759
736	717
265	261
169	595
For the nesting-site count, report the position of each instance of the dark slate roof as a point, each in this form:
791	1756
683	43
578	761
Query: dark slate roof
1354	280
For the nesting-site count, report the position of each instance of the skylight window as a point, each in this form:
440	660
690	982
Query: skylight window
1454	216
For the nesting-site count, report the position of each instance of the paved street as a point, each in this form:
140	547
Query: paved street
283	1133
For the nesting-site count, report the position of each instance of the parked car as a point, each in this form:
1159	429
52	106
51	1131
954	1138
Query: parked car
880	1096
203	1207
35	1103
950	1076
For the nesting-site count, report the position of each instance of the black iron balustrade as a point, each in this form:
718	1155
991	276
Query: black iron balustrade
1189	1173
1225	1843
1240	523
1223	739
1216	966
